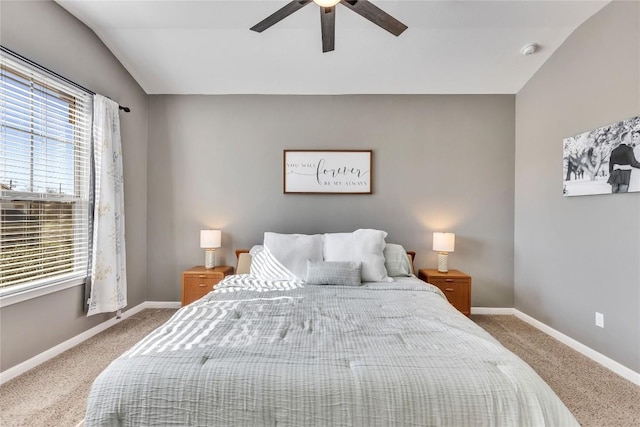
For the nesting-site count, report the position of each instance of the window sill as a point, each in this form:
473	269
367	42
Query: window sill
27	294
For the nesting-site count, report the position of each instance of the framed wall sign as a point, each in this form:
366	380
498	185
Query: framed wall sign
327	171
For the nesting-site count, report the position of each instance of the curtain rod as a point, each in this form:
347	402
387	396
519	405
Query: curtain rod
45	69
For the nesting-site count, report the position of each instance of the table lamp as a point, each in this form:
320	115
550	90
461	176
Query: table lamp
443	243
210	240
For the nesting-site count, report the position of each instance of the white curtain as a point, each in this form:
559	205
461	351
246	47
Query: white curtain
108	269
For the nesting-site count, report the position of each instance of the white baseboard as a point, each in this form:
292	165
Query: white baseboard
492	310
38	359
162	304
608	363
600	358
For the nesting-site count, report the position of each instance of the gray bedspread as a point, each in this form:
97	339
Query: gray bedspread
255	353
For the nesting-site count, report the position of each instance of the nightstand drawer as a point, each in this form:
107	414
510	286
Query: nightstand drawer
197	287
455	285
201	282
444	282
198	281
457	294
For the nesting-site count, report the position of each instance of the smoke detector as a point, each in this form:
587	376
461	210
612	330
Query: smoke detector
529	49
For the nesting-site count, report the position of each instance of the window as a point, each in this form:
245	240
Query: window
44	177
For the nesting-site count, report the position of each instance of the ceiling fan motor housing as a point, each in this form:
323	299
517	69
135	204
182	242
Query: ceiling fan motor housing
363	8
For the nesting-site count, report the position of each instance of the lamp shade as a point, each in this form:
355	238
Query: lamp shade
444	242
326	3
210	238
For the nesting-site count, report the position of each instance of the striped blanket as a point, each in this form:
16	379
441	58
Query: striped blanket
267	353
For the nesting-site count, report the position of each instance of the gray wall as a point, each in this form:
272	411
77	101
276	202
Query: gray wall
578	255
45	33
440	163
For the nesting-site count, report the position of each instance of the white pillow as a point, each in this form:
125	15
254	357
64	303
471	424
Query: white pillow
293	250
365	246
265	266
337	246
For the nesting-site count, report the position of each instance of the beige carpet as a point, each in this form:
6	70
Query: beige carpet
54	393
596	396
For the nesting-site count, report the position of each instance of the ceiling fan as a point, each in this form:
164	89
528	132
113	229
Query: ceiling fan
363	8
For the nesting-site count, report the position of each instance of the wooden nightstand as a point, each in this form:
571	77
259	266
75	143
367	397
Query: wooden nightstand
454	284
198	281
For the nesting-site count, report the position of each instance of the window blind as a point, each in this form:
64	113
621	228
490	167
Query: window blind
44	177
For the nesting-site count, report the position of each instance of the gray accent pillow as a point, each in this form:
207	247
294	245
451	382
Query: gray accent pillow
346	273
396	261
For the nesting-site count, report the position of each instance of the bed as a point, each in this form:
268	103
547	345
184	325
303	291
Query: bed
267	351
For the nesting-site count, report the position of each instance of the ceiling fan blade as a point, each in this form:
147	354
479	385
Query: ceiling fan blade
376	15
328	22
280	14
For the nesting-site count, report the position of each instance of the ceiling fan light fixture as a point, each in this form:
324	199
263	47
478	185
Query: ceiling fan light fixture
326	3
364	8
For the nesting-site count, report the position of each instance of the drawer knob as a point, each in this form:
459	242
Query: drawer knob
448	280
448	289
202	285
202	276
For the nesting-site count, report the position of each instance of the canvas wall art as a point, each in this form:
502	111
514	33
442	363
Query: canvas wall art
605	160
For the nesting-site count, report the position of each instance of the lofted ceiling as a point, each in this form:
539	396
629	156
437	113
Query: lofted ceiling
451	46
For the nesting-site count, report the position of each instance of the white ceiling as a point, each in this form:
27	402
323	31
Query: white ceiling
206	47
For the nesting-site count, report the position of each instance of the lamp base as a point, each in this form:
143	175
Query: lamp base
209	258
442	262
